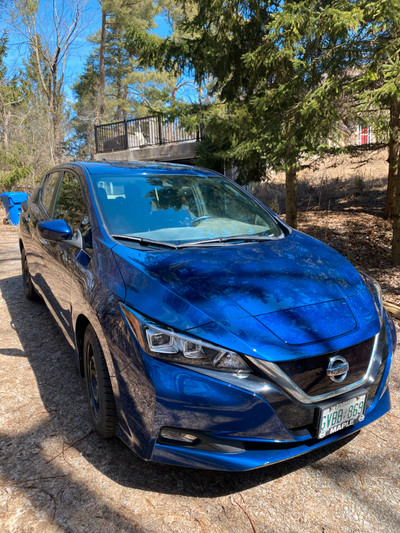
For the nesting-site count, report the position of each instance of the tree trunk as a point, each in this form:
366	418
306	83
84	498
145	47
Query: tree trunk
5	126
396	238
56	118
125	91
394	168
118	83
396	222
393	159
102	88
391	185
291	196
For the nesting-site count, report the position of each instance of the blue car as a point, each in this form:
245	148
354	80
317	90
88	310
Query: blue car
209	333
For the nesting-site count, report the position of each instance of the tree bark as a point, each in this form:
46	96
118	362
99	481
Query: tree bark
102	88
393	158
5	126
291	196
396	224
390	189
55	110
118	84
394	168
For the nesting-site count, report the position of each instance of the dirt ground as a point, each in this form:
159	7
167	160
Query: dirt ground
57	475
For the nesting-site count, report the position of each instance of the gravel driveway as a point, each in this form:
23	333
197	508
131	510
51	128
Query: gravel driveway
57	475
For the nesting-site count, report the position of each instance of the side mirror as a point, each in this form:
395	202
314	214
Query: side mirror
59	231
55	230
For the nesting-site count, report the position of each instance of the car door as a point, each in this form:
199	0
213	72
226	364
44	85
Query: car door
69	205
40	209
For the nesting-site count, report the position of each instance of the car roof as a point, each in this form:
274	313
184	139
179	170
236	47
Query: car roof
140	167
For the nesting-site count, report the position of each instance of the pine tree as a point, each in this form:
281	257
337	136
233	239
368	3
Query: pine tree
268	61
378	87
289	73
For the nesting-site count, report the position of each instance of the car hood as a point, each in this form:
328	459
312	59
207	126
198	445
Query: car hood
296	290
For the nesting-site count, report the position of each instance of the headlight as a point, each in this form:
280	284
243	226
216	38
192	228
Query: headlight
375	291
164	343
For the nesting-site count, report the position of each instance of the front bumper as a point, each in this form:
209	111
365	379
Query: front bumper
267	453
237	427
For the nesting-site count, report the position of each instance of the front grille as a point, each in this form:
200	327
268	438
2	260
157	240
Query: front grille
310	373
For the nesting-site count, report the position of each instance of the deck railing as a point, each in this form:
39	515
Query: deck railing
141	132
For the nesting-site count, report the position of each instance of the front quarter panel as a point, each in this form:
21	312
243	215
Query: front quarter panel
97	288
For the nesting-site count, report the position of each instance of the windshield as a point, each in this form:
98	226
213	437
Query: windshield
180	209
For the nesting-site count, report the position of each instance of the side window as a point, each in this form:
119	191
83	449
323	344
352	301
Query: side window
71	206
48	189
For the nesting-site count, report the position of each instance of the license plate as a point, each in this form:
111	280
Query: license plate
341	415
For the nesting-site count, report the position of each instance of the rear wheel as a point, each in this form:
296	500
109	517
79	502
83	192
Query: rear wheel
29	289
98	385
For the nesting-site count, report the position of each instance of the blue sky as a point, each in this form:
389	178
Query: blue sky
17	50
81	48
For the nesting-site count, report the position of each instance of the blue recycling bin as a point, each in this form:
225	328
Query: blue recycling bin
12	203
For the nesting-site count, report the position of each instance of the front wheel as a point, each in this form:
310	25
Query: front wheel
98	386
29	289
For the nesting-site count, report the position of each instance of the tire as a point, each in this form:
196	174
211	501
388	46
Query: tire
29	289
98	386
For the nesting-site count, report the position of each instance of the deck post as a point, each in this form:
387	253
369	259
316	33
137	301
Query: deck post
125	134
96	140
160	139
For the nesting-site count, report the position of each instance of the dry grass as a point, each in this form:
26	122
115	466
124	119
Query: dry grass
332	183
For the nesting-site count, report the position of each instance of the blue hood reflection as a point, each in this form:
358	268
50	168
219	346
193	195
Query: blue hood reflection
296	288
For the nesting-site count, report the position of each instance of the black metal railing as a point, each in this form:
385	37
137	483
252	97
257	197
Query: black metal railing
141	132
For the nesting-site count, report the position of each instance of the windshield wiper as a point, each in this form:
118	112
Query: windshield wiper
144	241
224	240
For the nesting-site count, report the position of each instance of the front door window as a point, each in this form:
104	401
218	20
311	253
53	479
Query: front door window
71	206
